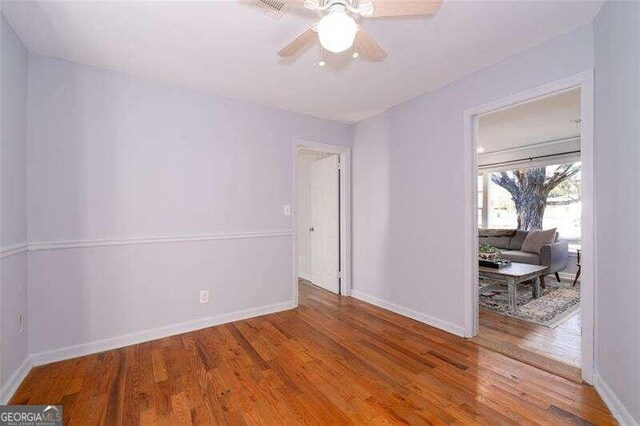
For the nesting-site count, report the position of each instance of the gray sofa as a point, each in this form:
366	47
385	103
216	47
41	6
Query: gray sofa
554	255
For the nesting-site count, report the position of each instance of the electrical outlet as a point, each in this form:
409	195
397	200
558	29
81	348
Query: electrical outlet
287	209
23	323
204	296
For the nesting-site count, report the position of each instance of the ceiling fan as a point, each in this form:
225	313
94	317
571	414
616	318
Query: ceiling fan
338	31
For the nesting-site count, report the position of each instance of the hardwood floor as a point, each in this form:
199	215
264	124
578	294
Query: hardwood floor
573	327
333	360
556	350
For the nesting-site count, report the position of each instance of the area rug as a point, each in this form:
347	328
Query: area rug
558	301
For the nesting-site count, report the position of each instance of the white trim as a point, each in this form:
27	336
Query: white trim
15	380
470	223
583	80
531	95
70	244
418	316
485	199
619	411
12	249
588	249
82	349
345	210
304	275
56	245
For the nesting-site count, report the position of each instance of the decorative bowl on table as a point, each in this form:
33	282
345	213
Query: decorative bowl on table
488	256
488	252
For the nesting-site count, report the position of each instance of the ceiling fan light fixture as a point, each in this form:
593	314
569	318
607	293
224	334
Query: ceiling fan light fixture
336	31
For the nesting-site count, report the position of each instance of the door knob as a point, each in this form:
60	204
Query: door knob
311	229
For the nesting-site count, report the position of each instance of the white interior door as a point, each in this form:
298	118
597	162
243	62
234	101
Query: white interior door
325	223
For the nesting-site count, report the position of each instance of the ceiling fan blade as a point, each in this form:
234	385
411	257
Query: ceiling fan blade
368	48
385	8
298	43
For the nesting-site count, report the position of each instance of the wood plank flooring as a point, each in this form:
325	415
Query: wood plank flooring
573	327
561	343
333	360
556	350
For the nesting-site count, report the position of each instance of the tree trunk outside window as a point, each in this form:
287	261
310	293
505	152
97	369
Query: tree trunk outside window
529	189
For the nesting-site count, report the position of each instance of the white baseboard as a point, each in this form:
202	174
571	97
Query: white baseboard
82	349
427	319
304	276
616	406
14	381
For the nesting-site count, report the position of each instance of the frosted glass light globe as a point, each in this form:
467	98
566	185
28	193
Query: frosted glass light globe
337	31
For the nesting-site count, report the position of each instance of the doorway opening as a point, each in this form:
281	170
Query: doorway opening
321	212
530	296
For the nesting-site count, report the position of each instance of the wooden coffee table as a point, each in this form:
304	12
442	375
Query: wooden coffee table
513	275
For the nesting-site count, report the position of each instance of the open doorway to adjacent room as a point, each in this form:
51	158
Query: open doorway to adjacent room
321	200
530	227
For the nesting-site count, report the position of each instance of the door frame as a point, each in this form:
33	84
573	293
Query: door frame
345	211
584	81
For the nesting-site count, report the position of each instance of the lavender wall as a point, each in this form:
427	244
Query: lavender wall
115	157
13	204
617	169
408	182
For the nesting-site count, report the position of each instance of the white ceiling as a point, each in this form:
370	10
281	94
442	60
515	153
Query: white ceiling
548	119
228	48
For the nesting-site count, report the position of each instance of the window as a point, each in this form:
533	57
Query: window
502	212
564	210
561	208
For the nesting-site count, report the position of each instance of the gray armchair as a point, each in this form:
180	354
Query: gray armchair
555	256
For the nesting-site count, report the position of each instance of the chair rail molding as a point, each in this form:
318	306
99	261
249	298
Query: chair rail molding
69	244
12	249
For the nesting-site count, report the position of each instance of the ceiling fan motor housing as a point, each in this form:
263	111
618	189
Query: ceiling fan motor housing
364	9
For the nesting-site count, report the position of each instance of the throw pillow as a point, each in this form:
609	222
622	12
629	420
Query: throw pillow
536	239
